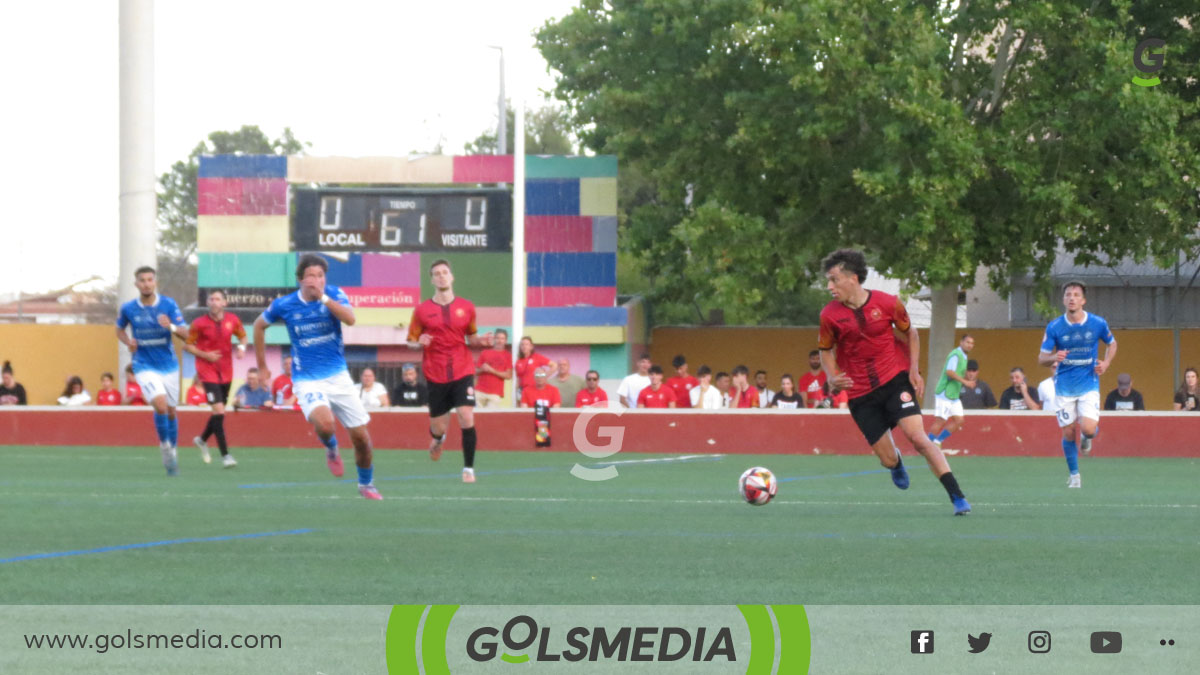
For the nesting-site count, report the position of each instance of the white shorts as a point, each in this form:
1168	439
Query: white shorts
944	408
1071	408
336	392
156	384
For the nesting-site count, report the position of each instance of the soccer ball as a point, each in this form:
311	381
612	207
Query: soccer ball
757	485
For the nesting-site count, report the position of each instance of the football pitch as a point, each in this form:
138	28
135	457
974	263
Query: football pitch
106	526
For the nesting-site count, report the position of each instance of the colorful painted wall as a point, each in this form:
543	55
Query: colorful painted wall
245	247
1147	355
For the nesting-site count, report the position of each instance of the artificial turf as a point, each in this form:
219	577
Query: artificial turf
106	526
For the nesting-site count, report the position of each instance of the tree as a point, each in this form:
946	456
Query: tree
938	136
547	132
177	201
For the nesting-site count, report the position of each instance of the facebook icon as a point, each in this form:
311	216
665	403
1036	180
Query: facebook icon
922	642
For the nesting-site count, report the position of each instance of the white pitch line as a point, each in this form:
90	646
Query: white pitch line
277	496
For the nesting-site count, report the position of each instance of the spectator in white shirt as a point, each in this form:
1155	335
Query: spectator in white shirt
705	395
372	393
765	395
74	394
1045	390
634	383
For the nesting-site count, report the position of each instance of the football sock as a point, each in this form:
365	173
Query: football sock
942	436
468	440
208	428
366	475
173	430
160	425
331	444
1072	453
951	485
218	425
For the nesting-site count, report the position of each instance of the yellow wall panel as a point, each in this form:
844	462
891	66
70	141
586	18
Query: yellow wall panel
419	169
597	196
243	234
576	335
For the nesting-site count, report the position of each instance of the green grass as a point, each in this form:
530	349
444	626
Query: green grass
528	532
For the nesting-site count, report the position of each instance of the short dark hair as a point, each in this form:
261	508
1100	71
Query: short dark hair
645	355
678	361
108	375
964	337
1017	369
1077	284
310	260
720	375
501	330
704	370
815	352
850	260
759	372
216	290
972	364
142	270
253	371
440	261
656	369
741	370
592	372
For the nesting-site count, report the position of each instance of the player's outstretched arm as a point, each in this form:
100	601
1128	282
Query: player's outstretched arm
260	342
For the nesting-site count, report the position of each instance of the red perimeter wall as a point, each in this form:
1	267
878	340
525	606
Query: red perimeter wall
990	433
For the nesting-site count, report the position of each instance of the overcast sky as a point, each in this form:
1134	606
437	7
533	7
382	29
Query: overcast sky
354	78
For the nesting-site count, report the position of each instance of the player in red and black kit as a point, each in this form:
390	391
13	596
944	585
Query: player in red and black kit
884	392
211	341
444	326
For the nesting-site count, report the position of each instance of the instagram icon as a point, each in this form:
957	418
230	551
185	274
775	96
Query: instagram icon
1039	641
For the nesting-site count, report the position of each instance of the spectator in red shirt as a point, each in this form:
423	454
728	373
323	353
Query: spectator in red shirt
812	384
682	383
541	392
108	394
657	395
281	389
593	394
133	390
528	361
839	400
744	395
492	369
195	393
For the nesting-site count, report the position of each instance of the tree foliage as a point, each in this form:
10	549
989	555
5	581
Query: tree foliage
177	201
547	132
938	136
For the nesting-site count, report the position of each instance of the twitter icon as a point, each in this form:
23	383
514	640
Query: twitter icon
978	644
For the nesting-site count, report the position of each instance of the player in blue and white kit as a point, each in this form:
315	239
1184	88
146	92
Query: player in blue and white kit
314	315
155	319
1071	341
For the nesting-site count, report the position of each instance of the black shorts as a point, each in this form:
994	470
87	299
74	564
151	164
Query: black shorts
215	392
879	411
446	396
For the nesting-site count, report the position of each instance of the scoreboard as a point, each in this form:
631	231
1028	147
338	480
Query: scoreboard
394	219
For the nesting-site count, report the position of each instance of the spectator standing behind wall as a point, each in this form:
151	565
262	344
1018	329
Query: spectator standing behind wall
252	395
724	384
812	384
1018	396
410	393
568	385
742	393
765	395
978	396
634	383
373	395
1124	397
11	391
195	393
592	394
491	370
682	383
133	390
1188	396
74	394
108	394
787	397
706	395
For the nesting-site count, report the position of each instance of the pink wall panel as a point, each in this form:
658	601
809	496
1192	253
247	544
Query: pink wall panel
483	169
566	296
389	270
219	196
264	196
558	234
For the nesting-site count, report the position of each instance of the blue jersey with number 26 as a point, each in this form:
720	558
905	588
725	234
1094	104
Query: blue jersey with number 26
316	335
1076	374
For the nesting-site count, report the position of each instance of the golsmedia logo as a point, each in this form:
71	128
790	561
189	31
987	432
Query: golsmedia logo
444	639
1149	62
597	643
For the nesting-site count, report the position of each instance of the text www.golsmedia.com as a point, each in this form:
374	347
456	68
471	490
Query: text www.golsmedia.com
197	639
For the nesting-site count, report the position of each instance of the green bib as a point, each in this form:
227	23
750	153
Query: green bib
946	386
